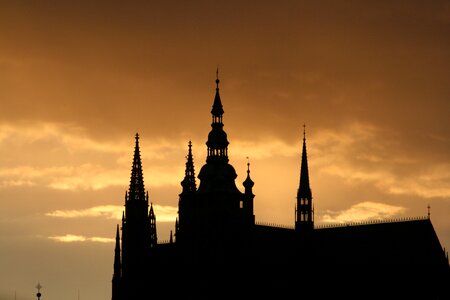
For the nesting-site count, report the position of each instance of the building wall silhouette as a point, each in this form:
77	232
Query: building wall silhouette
219	252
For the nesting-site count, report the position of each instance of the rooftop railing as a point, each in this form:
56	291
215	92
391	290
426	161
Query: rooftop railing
369	222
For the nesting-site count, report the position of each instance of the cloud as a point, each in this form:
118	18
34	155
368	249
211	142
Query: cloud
71	238
360	212
270	147
105	211
63	157
364	153
163	213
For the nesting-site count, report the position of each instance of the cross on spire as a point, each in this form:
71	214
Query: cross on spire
217	78
304	131
39	287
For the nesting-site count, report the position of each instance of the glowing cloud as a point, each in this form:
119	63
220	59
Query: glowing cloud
269	148
106	211
163	213
71	238
363	211
375	164
65	158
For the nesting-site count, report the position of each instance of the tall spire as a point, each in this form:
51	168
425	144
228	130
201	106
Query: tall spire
137	191
217	139
188	182
304	191
304	215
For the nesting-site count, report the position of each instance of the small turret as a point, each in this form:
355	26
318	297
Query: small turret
117	263
152	218
188	183
248	183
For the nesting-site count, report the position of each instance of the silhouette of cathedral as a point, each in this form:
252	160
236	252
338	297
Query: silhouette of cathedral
219	252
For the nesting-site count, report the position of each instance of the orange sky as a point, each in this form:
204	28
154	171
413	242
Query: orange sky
79	79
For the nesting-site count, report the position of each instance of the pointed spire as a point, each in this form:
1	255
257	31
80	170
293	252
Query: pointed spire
304	190
188	183
171	238
217	109
217	139
304	215
137	191
117	264
151	213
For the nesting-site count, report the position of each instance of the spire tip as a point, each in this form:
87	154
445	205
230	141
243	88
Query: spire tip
304	131
217	78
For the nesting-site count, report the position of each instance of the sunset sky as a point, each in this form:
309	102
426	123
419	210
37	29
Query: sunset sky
78	79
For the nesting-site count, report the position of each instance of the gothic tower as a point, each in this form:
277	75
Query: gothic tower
138	237
304	217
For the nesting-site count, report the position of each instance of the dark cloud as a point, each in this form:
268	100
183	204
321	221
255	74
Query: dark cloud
77	80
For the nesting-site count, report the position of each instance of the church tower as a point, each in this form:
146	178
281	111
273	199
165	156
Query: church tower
138	236
187	203
304	217
213	218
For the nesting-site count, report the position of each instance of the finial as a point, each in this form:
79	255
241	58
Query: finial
39	287
429	207
217	78
190	144
137	136
248	165
304	131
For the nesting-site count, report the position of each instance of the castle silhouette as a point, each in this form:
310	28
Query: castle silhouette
219	252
